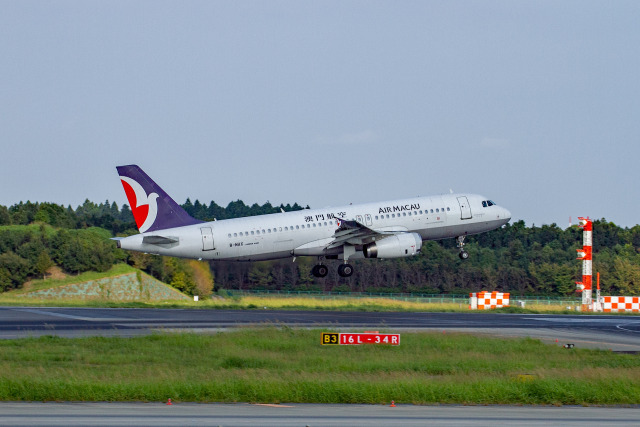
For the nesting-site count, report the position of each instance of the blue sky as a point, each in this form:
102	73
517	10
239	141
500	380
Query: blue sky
534	104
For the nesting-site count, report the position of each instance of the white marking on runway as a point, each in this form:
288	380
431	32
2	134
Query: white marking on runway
585	320
71	316
627	330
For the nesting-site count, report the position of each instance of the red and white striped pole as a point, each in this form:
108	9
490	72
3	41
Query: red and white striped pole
585	254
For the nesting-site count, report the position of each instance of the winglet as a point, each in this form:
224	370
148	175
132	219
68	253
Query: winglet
152	208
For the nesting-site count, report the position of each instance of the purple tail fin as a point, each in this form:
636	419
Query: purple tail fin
152	208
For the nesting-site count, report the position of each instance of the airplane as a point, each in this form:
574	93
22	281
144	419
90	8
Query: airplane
390	229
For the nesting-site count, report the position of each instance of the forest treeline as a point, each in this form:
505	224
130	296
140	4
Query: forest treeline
120	220
515	258
37	236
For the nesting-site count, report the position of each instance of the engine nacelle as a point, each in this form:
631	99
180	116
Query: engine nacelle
396	246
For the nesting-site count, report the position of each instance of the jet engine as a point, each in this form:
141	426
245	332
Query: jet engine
396	246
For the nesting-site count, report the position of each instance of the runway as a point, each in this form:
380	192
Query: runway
618	333
240	415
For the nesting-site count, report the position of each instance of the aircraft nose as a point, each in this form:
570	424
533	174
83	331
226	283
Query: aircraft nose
506	214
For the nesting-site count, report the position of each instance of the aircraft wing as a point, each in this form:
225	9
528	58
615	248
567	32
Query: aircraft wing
354	233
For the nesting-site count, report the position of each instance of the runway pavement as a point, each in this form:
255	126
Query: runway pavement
312	415
618	333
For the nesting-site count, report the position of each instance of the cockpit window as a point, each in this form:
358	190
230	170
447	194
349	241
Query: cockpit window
484	203
490	203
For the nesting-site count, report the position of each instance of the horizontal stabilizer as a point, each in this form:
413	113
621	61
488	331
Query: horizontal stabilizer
159	240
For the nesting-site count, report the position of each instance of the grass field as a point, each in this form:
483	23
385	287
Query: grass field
269	301
364	304
296	303
283	303
274	364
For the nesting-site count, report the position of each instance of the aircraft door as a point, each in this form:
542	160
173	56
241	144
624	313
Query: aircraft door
465	209
359	219
207	238
368	220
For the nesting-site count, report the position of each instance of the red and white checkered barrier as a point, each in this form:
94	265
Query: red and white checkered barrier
488	300
619	304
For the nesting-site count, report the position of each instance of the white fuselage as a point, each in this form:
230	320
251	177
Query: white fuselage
310	232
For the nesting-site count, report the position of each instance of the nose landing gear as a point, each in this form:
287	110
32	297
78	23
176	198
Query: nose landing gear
463	254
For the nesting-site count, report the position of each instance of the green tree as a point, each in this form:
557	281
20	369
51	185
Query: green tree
5	217
6	283
43	263
260	274
15	270
626	277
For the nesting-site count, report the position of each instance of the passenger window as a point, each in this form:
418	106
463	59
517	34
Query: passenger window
252	233
278	230
437	210
393	215
229	234
314	225
420	212
309	225
325	223
404	214
297	227
431	210
235	234
448	209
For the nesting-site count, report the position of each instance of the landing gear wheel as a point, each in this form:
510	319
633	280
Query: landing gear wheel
345	270
319	270
463	254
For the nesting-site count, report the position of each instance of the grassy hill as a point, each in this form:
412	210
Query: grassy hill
121	283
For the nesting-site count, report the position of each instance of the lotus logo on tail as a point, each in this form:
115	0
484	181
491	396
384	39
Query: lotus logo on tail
144	207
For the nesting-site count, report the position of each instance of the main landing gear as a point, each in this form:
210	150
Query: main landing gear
345	270
463	254
321	270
